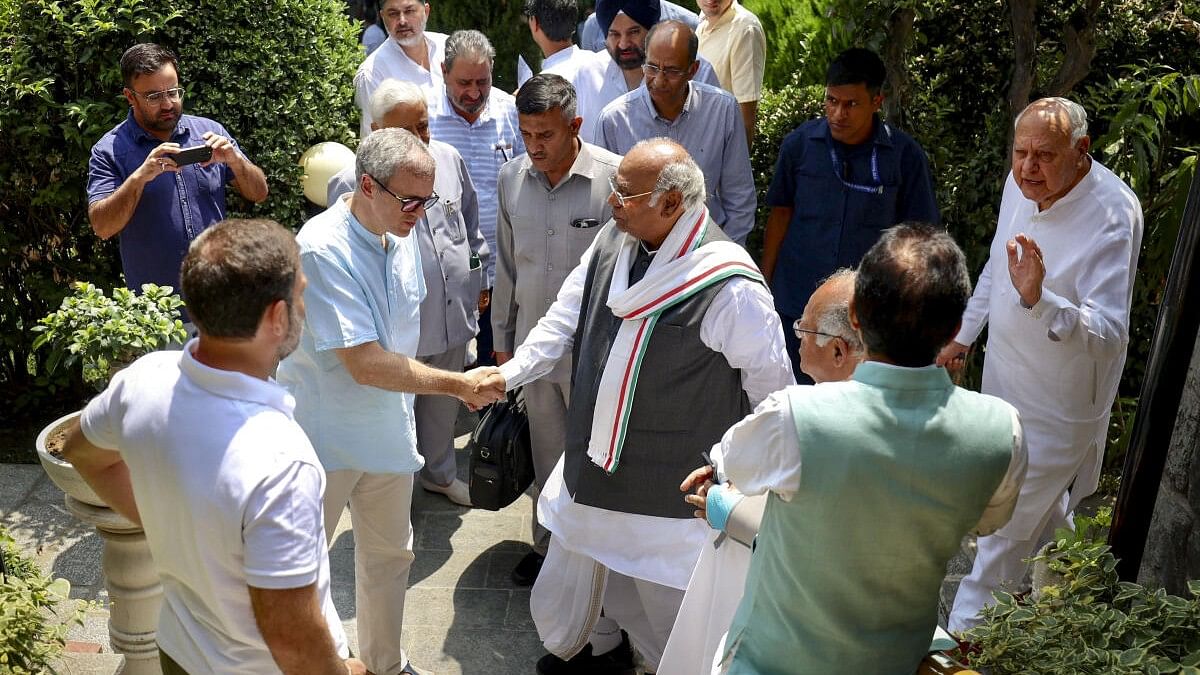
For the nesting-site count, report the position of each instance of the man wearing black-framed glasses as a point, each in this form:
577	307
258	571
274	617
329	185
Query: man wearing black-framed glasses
138	190
704	119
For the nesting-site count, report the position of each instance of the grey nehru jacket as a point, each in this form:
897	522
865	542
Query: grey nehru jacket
453	252
710	128
541	232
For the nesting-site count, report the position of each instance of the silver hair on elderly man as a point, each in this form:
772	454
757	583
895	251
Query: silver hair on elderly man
388	151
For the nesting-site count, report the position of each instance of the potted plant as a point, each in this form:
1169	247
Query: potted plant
103	334
1085	620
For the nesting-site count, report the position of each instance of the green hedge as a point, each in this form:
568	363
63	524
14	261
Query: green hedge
278	75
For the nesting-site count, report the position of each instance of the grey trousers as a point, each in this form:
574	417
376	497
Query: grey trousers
546	405
435	417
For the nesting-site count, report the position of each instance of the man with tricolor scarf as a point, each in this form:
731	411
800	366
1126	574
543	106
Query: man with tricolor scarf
675	339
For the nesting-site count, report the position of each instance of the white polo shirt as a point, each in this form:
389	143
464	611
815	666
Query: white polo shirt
229	490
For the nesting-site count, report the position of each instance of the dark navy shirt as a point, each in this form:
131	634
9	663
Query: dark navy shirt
174	208
833	225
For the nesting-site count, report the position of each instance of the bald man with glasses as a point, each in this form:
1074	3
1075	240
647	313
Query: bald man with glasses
704	119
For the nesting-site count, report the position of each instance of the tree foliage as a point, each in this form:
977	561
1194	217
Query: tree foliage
278	75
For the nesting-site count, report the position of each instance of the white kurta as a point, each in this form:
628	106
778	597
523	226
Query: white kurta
1060	362
741	323
584	69
389	62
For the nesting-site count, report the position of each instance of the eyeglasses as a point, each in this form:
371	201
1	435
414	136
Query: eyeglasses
622	199
157	97
408	204
801	331
651	70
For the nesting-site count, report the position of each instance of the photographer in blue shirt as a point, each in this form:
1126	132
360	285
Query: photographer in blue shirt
840	181
138	190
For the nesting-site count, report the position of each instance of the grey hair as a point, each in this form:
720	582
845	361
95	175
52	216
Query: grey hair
1076	115
467	42
835	319
544	92
681	174
385	152
392	93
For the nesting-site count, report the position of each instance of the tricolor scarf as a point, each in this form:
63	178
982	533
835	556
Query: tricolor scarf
681	269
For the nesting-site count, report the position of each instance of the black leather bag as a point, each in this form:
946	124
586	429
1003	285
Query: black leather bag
501	466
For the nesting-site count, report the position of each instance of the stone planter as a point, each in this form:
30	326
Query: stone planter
60	471
134	590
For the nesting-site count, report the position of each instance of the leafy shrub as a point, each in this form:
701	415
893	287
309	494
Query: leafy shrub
29	640
1090	623
278	75
779	112
109	333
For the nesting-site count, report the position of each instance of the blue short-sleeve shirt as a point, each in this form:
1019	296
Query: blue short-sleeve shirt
358	291
174	207
833	225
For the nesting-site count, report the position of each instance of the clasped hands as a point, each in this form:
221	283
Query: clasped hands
482	386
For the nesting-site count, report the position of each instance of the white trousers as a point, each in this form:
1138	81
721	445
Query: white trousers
1000	564
646	611
380	506
546	405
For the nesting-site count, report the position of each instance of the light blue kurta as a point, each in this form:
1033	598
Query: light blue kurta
357	292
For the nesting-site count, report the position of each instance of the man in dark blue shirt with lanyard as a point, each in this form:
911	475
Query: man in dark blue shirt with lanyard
840	181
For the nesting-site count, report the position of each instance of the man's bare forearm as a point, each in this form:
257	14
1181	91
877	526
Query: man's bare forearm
777	225
110	215
294	628
371	365
249	180
103	470
749	119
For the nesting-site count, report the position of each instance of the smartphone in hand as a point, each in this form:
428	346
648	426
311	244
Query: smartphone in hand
200	153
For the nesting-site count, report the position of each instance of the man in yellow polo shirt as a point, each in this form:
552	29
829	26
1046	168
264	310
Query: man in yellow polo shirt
732	39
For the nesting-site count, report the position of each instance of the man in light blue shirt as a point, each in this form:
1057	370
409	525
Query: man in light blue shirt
705	120
354	377
481	123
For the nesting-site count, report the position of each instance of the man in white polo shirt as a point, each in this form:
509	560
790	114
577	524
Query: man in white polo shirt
229	487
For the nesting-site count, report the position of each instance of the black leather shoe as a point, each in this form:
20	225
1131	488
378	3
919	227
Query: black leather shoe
618	661
526	571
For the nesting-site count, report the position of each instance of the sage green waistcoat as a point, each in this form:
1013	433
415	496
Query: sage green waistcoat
896	466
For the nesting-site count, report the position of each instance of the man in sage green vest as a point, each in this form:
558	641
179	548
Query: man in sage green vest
898	465
674	339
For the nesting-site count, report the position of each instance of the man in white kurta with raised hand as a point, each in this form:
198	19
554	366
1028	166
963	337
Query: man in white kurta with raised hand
1056	293
674	340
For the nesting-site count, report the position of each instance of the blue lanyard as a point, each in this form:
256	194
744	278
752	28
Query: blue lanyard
834	157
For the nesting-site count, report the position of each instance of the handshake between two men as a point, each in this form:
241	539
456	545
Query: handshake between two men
483	386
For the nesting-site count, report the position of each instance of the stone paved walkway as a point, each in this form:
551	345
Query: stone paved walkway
462	615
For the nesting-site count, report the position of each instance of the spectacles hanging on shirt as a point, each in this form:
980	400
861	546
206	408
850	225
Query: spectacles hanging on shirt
503	147
840	168
408	204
